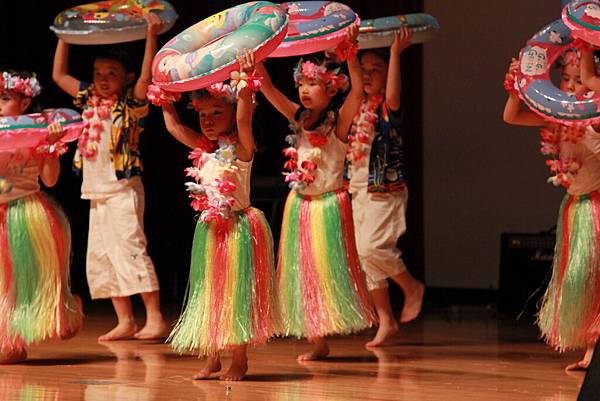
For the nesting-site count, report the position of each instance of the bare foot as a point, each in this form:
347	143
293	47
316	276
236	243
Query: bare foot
213	365
120	332
14	356
153	330
579	365
236	371
319	352
384	334
413	303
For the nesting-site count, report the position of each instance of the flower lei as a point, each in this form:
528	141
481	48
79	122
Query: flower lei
97	109
363	129
331	78
301	176
54	150
29	87
563	169
213	199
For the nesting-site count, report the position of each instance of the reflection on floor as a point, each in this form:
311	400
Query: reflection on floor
454	356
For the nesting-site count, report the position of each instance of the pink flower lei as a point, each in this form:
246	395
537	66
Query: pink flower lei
363	130
563	169
213	199
97	109
29	87
302	175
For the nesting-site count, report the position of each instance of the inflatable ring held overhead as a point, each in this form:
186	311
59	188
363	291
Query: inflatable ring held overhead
108	22
30	130
583	18
539	93
314	26
379	32
205	53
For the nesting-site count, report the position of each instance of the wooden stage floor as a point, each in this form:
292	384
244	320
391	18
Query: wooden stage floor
461	357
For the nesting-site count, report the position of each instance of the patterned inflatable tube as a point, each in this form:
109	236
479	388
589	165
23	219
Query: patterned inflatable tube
379	32
108	22
30	130
205	53
315	26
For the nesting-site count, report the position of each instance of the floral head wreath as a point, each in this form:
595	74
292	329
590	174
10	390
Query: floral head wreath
571	57
331	78
219	90
29	87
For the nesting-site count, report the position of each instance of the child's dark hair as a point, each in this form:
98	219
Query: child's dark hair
336	101
117	54
381	52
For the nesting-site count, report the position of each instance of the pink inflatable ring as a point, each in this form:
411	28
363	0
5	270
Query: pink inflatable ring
205	53
31	130
315	26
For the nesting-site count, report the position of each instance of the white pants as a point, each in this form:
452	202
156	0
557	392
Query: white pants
117	263
379	220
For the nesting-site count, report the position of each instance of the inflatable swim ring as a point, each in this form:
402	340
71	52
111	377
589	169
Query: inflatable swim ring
583	18
205	53
314	26
535	88
30	130
379	32
107	22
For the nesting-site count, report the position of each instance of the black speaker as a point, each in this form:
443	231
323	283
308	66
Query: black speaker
525	269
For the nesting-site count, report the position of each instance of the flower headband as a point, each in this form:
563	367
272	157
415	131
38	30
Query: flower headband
218	90
310	70
29	87
571	57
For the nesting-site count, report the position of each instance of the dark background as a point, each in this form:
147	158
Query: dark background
28	44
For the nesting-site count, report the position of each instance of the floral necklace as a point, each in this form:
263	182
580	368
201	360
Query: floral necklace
301	176
214	199
363	130
565	168
96	110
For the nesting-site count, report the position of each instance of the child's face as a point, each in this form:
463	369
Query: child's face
314	95
13	104
374	70
110	77
217	117
570	80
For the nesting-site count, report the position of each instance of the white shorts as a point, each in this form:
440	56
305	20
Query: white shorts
379	220
117	262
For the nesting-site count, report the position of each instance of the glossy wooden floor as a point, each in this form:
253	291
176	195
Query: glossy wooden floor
464	356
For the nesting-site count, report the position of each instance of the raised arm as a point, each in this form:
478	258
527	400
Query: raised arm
245	110
60	70
393	88
281	102
182	133
588	69
513	113
155	25
351	104
50	166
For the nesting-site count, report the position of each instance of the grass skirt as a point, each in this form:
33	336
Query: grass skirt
321	289
569	317
35	296
230	300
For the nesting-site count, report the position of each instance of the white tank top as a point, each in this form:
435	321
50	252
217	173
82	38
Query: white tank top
241	177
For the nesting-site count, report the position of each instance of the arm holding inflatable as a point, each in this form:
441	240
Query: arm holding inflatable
155	25
284	105
393	88
245	110
50	166
60	70
588	69
182	133
513	113
352	102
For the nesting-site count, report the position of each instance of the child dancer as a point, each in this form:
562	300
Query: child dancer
377	183
230	302
117	264
321	289
36	303
570	312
